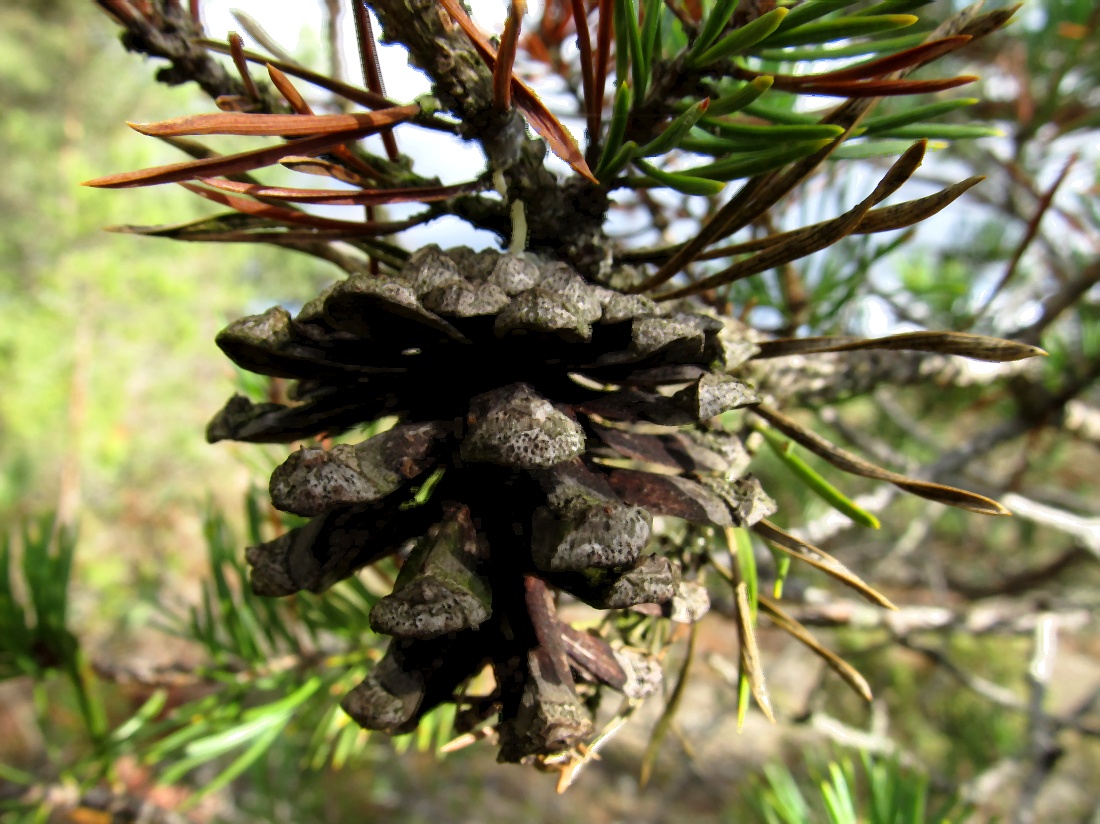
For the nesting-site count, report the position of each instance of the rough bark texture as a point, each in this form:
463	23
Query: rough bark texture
565	218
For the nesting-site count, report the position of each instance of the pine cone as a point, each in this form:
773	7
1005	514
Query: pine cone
526	388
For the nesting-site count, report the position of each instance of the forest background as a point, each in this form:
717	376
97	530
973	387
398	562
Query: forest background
109	374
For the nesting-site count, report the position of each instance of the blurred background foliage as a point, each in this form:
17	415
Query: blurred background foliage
157	685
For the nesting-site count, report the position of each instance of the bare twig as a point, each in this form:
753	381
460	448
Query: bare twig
1043	749
1019	583
257	32
1066	297
1084	529
1029	235
1001	617
1083	421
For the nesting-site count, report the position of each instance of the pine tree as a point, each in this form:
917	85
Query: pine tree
547	402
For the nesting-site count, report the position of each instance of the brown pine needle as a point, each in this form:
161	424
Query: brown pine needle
506	58
855	465
541	118
236	51
584	46
372	70
818	559
793	628
963	344
604	31
750	653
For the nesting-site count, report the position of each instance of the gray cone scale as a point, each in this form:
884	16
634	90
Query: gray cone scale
543	422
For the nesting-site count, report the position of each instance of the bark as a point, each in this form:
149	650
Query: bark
564	218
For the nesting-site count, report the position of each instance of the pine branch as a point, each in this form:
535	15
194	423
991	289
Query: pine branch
169	32
830	377
570	215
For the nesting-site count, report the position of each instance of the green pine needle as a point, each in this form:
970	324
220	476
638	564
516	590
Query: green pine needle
717	20
740	40
841	28
683	183
817	484
736	101
670	138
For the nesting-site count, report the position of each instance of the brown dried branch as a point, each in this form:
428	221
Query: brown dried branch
506	57
781	618
344	197
236	49
963	344
340	130
604	33
541	119
809	554
1024	581
173	35
1030	234
1065	298
584	46
569	219
883	219
461	80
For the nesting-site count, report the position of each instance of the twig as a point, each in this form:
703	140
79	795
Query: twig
875	447
257	32
172	36
691	28
1084	529
1019	583
1066	297
1083	422
1029	235
1001	696
1043	747
1002	617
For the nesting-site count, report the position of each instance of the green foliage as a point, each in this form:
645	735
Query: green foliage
35	639
840	28
685	183
784	449
771	39
713	24
83	307
740	39
870	791
613	144
742	97
673	135
34	605
271	667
